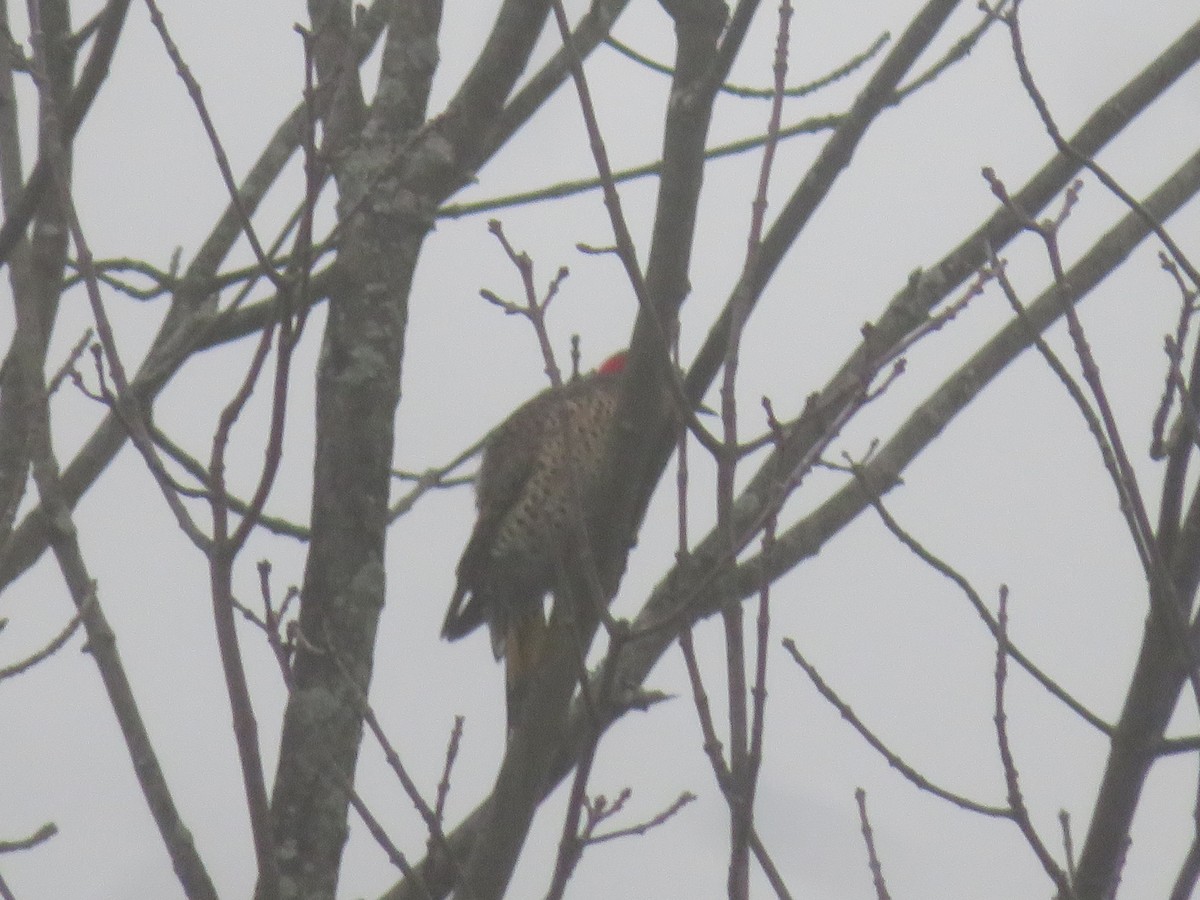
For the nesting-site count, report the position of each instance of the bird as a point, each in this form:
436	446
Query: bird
539	476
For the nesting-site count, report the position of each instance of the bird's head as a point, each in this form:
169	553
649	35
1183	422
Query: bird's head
615	364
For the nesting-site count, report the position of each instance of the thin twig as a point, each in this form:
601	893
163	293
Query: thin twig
642	827
893	759
811	125
63	537
1011	19
881	890
200	472
431	819
443	788
572	840
222	159
68	366
1163	599
43	834
434	478
534	308
1187	309
960	581
1064	821
801	90
625	248
712	744
1012	778
612	200
1189	872
56	643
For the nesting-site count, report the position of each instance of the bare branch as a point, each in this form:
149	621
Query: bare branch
20	210
963	584
443	788
40	836
222	160
1016	800
881	891
1011	19
55	644
534	309
851	65
910	774
642	827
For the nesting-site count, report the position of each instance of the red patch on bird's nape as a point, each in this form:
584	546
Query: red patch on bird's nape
615	364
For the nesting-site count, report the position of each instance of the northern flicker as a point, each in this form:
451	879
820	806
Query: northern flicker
539	475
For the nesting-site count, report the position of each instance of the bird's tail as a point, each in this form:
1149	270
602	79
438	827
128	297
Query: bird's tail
524	644
464	615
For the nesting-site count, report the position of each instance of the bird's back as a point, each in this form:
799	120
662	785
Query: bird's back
538	477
